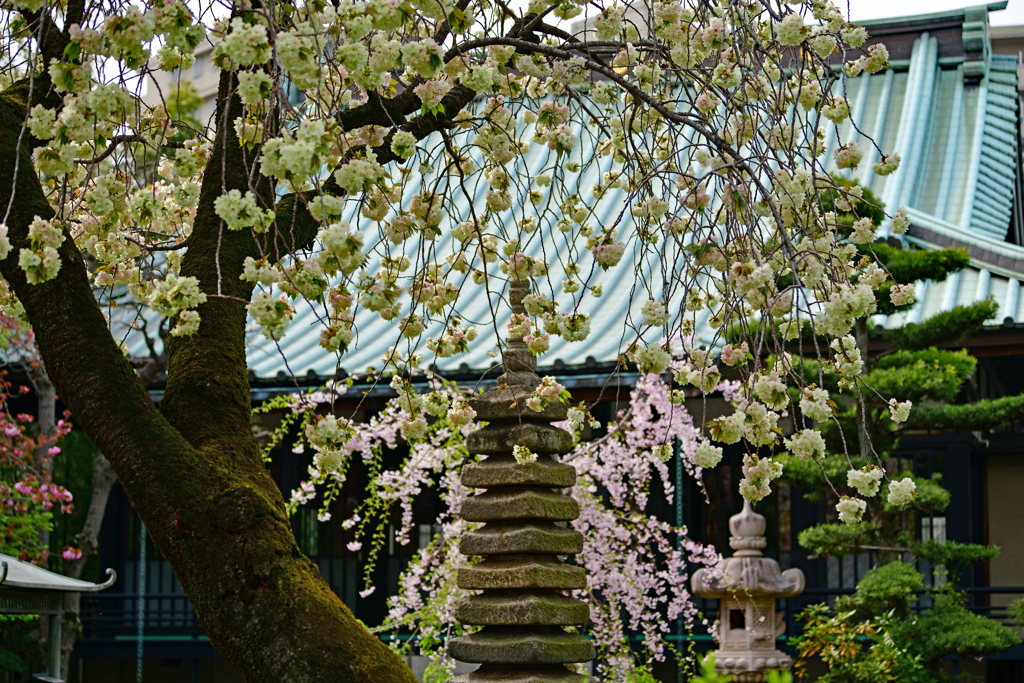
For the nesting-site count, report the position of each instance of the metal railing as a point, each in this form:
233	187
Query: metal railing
169	616
116	616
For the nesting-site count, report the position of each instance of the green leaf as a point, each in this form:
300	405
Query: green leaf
72	51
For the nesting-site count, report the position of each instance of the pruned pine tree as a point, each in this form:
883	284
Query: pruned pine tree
880	631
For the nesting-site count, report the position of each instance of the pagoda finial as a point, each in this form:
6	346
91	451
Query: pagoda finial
747	529
518	361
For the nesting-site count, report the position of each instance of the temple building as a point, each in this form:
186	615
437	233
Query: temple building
950	105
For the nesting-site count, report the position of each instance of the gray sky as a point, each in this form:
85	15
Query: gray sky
878	9
860	10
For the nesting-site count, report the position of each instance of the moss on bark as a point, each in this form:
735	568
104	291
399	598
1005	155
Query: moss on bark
193	473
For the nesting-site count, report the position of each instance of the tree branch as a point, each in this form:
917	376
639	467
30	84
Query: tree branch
51	40
125	139
295	226
379	111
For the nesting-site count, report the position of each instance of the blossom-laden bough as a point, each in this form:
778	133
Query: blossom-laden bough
638	566
367	159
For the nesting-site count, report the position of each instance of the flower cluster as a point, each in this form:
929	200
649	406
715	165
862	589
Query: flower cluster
240	211
40	261
546	393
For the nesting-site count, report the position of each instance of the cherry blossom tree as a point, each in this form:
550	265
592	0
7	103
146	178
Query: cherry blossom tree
339	172
28	495
636	563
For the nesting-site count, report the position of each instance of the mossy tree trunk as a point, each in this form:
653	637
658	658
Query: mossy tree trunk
192	468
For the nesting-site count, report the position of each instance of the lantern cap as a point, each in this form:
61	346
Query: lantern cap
748	572
747	529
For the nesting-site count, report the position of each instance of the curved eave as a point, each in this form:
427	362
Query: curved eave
24	575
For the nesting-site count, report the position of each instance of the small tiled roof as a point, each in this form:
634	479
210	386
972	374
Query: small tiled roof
17	574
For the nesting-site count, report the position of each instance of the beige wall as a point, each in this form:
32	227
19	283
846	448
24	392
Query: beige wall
203	75
1009	40
1005	482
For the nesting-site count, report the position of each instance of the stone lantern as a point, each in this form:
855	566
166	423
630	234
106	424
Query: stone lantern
523	604
746	588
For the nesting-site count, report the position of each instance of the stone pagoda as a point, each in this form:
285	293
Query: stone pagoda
523	605
746	588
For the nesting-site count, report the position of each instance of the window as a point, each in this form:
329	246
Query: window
933	529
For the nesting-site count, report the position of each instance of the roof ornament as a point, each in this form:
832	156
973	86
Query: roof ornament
28	589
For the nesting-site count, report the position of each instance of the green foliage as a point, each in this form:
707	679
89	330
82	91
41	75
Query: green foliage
807	474
977	416
72	469
949	627
19	530
899	645
640	675
947	327
963	361
911	265
183	103
886	589
856	651
835	540
868	206
10	662
951	553
708	674
436	672
19	643
917	382
874	637
1016	610
811	373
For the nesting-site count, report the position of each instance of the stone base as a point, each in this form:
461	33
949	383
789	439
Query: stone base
504	673
751	667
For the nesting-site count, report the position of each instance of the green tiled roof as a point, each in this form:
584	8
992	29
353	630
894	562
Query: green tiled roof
954	123
958	142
